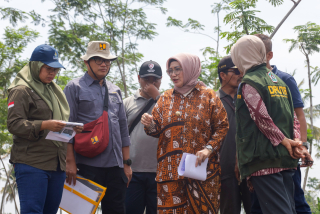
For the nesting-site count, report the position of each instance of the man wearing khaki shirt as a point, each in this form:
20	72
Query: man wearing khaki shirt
142	191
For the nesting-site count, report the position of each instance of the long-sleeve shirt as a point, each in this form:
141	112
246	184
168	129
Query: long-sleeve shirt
26	112
259	113
85	97
186	124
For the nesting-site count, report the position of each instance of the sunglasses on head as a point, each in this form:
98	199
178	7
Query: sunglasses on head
234	70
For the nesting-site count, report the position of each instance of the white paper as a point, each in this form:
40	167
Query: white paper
75	204
65	134
187	167
72	124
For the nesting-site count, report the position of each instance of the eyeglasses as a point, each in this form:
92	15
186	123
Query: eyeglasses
176	71
99	61
51	70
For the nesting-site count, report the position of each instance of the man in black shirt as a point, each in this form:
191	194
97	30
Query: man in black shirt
233	191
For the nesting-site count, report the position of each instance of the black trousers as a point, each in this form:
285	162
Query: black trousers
142	193
232	194
275	192
114	180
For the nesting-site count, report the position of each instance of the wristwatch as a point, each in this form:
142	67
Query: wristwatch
306	144
209	148
127	162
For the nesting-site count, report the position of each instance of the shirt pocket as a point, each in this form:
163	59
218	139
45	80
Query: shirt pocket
39	109
87	102
115	103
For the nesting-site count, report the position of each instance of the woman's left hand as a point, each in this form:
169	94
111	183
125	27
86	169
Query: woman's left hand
78	129
202	155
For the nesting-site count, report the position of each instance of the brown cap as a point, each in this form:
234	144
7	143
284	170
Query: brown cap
100	49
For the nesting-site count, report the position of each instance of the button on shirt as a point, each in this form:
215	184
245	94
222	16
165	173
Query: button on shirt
85	97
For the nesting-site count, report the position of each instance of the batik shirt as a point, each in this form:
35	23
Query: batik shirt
187	124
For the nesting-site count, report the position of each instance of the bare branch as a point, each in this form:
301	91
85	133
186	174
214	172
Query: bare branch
284	19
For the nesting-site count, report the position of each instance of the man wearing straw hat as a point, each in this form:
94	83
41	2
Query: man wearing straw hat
86	98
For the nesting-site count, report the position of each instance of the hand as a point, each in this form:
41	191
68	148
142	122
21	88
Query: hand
146	119
128	171
202	155
71	172
289	144
52	125
250	186
78	129
151	90
306	156
298	152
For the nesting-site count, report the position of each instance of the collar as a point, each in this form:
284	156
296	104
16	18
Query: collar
255	68
89	80
224	94
137	95
197	86
274	69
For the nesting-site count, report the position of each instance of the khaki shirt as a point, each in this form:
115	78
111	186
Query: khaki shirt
26	111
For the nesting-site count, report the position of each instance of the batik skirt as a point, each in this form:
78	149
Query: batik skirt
189	196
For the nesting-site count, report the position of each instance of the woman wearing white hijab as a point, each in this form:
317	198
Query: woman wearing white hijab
265	127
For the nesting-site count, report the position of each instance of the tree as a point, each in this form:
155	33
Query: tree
14	16
7	194
308	42
243	21
13	44
75	23
315	75
195	27
311	197
209	74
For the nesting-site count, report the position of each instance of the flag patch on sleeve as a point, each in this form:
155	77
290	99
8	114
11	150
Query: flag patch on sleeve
10	105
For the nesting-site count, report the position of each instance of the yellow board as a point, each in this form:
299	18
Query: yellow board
95	203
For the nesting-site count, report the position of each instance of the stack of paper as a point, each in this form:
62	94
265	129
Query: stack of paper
82	198
65	134
187	167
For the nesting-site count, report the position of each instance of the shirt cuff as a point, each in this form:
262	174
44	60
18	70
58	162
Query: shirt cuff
36	133
71	140
125	141
215	146
277	141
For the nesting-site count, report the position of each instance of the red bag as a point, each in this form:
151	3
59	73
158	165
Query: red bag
94	138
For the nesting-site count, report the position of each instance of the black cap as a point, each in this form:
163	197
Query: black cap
150	68
225	63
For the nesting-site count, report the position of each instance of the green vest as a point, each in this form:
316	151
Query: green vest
254	149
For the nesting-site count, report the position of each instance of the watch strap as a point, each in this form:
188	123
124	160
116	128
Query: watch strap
306	144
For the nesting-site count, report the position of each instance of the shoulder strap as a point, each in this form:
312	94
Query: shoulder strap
106	99
229	103
138	118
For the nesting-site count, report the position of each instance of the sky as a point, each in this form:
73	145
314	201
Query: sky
172	40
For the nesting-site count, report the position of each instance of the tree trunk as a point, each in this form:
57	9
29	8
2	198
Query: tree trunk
284	19
311	121
217	54
4	167
123	60
3	195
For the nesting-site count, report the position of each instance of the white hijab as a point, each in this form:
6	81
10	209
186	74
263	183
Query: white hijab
249	51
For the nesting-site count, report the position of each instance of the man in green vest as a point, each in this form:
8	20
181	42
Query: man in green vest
265	128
